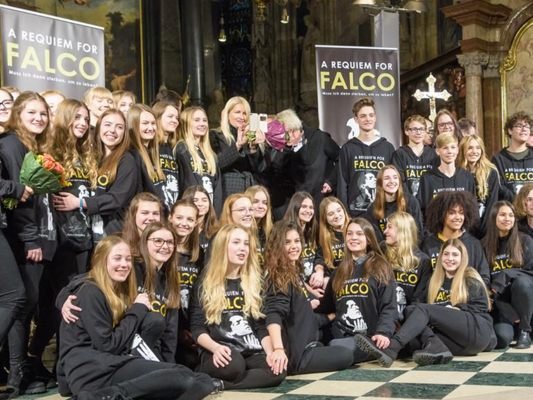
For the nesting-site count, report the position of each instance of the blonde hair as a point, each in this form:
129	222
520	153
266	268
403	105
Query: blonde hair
459	288
225	127
520	200
266	221
444	139
120	94
205	147
159	109
325	232
97	91
213	287
109	165
149	154
119	295
401	255
66	148
226	217
482	168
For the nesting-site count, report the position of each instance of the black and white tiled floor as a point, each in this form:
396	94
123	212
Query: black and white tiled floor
496	375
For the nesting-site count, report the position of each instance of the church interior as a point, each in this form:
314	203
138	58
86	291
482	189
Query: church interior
480	51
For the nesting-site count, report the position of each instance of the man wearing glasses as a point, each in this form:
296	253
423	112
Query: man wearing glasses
515	162
414	158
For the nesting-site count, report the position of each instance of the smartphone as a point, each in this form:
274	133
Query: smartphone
258	121
253	122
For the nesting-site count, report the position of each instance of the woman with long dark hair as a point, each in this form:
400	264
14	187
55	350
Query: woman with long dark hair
510	256
293	326
207	218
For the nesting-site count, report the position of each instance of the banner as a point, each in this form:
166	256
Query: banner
41	52
346	74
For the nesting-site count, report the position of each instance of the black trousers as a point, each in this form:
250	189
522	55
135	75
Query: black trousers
324	359
142	379
12	293
521	292
242	372
454	328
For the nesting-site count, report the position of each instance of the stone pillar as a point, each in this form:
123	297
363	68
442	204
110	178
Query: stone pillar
193	46
492	104
473	64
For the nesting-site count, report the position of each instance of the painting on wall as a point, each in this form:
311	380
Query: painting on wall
121	21
517	74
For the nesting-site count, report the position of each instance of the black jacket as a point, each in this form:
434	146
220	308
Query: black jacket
486	205
357	170
412	167
110	200
363	305
476	255
513	173
188	177
92	349
434	182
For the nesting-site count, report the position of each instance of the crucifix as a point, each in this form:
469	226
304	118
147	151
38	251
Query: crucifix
432	96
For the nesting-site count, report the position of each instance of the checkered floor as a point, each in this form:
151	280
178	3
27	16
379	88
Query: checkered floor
488	376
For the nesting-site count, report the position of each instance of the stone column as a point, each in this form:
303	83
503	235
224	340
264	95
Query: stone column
473	64
492	117
193	46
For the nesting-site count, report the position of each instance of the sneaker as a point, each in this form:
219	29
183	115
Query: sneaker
434	352
524	341
385	357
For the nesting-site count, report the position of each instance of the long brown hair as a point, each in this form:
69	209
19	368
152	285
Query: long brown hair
266	222
491	239
210	221
109	164
379	203
130	232
172	290
326	235
35	143
281	272
375	266
159	109
192	242
310	231
119	296
69	150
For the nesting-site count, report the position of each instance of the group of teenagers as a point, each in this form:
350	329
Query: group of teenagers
163	275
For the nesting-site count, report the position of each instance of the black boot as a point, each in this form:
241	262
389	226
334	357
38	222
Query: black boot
41	373
109	393
433	352
21	381
384	357
218	385
524	340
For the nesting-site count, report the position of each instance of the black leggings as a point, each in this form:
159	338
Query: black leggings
521	291
323	359
142	379
242	372
12	293
453	327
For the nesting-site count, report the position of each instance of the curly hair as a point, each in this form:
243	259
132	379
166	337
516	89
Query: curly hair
281	273
441	204
514	118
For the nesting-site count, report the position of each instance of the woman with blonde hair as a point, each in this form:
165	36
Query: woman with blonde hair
473	158
240	157
332	225
142	132
455	320
262	212
123	100
391	197
95	352
167	119
197	160
411	267
227	320
98	100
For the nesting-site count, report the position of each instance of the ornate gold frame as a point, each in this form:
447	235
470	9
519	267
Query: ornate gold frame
509	63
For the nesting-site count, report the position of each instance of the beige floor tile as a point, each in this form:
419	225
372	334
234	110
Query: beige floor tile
513	350
509	367
398	364
339	388
243	396
434	377
489	392
384	398
480	357
311	377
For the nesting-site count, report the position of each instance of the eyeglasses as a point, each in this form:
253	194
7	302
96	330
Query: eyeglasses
445	124
158	242
522	126
243	210
7	104
417	130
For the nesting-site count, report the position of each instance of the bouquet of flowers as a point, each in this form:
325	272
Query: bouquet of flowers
276	135
42	173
